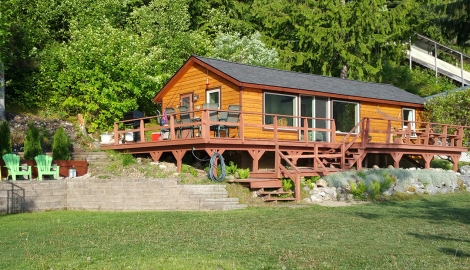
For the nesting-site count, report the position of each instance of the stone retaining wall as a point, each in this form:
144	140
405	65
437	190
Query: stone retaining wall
111	195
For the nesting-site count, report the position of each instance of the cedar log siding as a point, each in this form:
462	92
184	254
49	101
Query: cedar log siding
193	81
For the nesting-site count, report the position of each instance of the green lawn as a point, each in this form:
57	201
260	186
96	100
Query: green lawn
431	232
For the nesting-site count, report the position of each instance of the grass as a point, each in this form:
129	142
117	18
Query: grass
430	232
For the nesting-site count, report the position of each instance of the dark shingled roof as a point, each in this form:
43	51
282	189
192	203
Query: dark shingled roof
295	80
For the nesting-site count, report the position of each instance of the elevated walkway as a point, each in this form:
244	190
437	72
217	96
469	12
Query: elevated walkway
423	53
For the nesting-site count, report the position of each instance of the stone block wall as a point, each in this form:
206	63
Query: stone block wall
28	196
111	195
122	194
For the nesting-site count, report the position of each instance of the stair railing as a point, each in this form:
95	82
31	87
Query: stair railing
293	176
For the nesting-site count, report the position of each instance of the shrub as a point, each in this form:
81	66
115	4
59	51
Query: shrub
32	143
60	147
231	168
128	159
358	190
442	164
5	138
287	184
243	173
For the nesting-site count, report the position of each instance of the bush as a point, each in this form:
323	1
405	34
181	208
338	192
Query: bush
442	164
5	138
243	173
60	147
32	143
231	169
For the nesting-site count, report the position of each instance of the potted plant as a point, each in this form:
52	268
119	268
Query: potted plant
397	139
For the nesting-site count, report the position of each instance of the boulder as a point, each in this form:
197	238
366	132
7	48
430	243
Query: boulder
321	183
465	170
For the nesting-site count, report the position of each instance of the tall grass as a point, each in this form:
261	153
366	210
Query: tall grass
431	232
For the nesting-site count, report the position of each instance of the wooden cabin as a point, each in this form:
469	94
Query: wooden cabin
288	124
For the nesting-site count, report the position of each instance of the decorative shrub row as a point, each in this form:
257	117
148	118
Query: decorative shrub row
371	184
32	143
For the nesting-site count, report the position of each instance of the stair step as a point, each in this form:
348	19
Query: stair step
234	207
278	199
274	192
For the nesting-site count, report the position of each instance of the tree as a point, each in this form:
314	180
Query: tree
248	50
104	71
450	108
323	36
456	20
60	147
32	142
5	138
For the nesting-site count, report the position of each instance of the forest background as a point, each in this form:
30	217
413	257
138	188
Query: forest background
104	58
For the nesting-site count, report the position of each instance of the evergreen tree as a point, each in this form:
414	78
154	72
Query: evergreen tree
456	21
32	143
5	138
60	147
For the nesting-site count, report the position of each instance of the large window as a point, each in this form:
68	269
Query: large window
346	115
213	96
284	105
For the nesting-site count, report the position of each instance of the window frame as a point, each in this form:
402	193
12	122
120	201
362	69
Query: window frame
214	90
413	120
357	115
295	109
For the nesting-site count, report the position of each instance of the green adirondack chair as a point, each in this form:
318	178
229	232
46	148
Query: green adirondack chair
12	162
44	165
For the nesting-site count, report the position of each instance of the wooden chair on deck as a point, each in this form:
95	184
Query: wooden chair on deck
232	116
185	118
213	117
282	122
163	131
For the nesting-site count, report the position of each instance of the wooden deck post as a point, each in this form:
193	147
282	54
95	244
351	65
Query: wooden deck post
142	130
277	160
178	154
256	155
116	134
297	187
156	155
396	156
427	160
455	162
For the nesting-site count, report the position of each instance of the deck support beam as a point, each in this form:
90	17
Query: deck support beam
396	156
455	161
178	154
156	155
211	151
294	160
427	160
256	155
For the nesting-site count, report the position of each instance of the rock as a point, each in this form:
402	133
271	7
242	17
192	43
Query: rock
321	183
430	189
465	170
375	167
316	198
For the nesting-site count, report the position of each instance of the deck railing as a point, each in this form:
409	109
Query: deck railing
275	127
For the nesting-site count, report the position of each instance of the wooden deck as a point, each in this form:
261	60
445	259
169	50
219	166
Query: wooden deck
280	155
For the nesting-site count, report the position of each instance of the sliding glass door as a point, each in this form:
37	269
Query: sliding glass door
315	109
